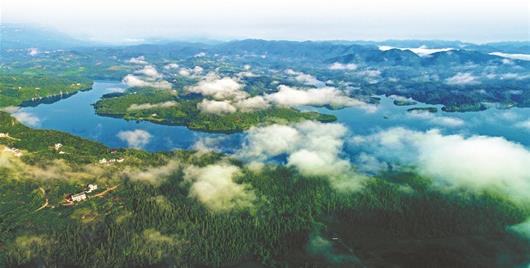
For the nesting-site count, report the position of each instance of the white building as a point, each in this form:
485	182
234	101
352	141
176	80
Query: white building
4	135
91	188
58	146
78	197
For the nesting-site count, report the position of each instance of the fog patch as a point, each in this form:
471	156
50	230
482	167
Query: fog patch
325	96
214	186
153	175
147	106
304	78
216	107
219	88
445	121
140	60
474	163
314	148
337	66
25	118
462	79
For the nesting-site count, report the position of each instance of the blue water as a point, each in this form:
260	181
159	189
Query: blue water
492	122
76	115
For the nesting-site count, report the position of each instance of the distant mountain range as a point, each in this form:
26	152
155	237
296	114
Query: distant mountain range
23	36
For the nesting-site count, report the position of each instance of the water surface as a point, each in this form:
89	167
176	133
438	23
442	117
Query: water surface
77	116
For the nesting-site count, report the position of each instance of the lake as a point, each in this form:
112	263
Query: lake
77	116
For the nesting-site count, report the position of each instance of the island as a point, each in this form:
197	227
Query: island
164	107
423	109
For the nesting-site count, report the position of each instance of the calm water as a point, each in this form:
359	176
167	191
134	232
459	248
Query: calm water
76	115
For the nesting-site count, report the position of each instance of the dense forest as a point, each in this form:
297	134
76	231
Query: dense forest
284	219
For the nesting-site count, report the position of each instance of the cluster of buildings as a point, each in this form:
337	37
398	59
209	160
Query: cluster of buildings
82	196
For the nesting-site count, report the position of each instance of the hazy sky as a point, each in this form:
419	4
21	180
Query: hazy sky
468	20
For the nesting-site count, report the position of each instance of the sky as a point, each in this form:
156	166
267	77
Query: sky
127	20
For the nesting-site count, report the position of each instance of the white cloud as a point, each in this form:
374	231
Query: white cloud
138	60
184	72
312	147
216	107
422	51
446	121
219	88
170	66
146	106
514	76
33	51
135	81
305	79
370	73
153	175
135	138
215	187
288	96
150	72
340	66
524	125
26	118
454	161
512	56
462	79
252	104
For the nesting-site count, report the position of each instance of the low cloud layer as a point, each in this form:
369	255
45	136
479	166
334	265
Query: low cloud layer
337	66
229	97
304	78
216	107
152	175
26	118
219	88
140	60
214	186
454	161
135	138
512	56
148	76
326	96
147	106
422	51
462	79
312	147
440	120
